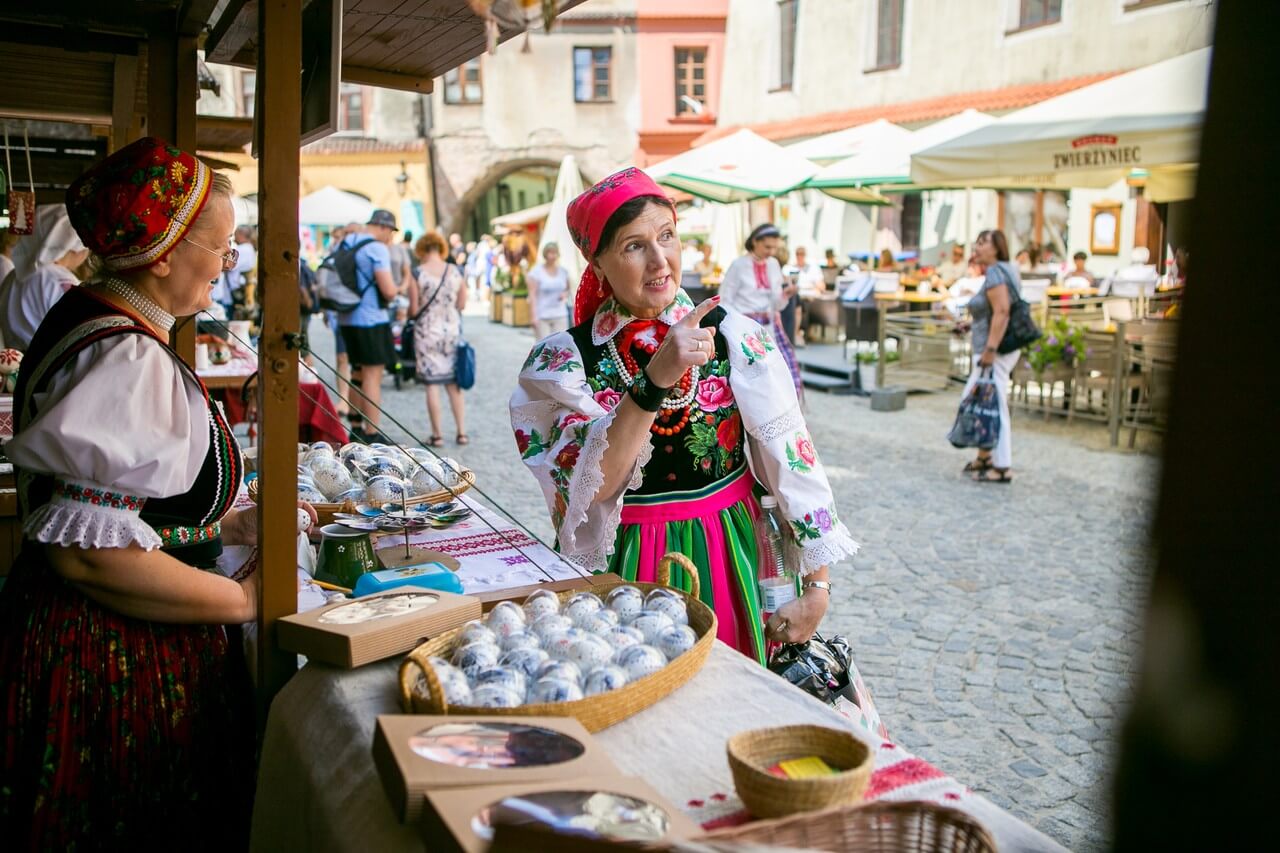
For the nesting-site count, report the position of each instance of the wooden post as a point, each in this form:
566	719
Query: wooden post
881	312
171	115
1119	367
279	120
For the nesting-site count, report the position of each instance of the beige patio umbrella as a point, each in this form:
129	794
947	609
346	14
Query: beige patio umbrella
740	167
568	187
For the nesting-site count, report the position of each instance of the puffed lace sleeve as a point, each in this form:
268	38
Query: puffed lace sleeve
560	427
782	455
116	426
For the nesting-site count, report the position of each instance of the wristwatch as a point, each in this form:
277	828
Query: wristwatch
816	585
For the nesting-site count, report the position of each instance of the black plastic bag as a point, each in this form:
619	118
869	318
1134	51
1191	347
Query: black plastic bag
819	667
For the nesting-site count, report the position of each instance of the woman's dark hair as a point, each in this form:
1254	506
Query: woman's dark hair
998	240
763	230
626	214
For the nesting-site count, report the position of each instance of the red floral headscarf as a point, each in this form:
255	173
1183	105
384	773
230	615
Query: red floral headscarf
587	216
133	207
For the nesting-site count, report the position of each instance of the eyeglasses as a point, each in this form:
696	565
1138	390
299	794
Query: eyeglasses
229	257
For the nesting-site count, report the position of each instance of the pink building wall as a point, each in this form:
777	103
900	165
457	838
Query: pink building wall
662	26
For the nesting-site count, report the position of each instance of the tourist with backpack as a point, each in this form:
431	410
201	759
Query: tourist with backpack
357	282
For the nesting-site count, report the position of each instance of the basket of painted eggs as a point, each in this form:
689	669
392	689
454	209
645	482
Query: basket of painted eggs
338	479
599	656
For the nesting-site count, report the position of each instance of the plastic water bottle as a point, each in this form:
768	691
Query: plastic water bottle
777	587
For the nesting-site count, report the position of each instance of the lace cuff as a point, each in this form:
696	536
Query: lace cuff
833	547
83	516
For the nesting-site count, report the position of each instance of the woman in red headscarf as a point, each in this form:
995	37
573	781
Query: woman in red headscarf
650	423
128	717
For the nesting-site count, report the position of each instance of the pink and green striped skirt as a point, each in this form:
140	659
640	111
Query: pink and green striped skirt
713	527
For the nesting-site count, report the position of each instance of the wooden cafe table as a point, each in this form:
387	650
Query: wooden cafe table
1071	291
914	299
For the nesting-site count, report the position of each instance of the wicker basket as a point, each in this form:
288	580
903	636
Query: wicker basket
880	827
752	753
326	511
421	693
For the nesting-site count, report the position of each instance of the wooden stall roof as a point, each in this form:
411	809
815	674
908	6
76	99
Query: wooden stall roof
223	133
399	44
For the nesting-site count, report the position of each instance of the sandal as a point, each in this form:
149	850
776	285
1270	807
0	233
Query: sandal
435	441
993	474
462	438
982	463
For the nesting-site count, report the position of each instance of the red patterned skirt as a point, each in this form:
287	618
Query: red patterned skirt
118	733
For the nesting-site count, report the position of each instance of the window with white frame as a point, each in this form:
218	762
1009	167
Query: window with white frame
1038	13
788	20
889	33
691	81
592	74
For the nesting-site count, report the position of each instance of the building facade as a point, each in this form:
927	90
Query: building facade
795	69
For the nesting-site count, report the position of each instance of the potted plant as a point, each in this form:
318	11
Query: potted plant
867	362
1057	350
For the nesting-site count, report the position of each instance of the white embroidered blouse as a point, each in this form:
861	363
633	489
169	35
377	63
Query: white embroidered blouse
110	443
561	424
740	290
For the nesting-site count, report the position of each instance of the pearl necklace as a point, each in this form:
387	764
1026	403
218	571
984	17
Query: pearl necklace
144	305
669	404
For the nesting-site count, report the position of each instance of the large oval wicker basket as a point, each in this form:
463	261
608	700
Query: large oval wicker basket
326	511
421	692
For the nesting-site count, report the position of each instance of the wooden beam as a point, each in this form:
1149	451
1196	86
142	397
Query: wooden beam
385	79
124	101
234	28
279	61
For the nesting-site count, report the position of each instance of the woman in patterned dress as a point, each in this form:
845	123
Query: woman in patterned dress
440	296
128	716
650	424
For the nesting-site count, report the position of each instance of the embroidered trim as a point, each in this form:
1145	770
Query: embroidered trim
778	427
97	497
612	317
83	525
177	536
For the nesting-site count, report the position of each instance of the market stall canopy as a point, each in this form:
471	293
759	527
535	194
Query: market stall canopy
537	213
332	206
878	135
1148	119
890	167
740	167
568	187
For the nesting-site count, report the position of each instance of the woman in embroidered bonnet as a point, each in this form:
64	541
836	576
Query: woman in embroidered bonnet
128	710
650	423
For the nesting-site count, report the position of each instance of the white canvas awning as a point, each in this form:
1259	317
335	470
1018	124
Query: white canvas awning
529	215
1148	119
878	135
332	206
739	167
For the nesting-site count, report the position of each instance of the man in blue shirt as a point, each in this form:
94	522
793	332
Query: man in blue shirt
365	329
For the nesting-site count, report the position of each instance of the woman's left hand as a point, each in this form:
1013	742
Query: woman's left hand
241	526
797	620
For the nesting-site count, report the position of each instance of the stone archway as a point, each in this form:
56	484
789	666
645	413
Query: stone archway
494	178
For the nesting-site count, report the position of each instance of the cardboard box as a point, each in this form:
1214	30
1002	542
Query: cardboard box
449	815
419	753
363	630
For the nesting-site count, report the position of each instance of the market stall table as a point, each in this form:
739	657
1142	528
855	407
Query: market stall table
318	419
318	789
914	299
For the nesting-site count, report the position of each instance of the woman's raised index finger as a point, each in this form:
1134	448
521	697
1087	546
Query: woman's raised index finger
694	317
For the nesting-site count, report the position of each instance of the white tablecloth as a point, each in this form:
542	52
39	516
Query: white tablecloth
318	789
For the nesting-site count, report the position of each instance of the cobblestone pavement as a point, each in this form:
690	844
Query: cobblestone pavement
995	625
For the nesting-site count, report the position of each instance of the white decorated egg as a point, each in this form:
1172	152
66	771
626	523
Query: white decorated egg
525	660
495	696
604	679
546	690
626	601
623	637
676	640
565	669
541	603
476	631
331	477
673	607
424	481
505	619
657	593
651	623
590	651
452	681
558	645
520	640
310	494
639	661
502	676
549	625
313	456
476	656
384	489
582	605
600	623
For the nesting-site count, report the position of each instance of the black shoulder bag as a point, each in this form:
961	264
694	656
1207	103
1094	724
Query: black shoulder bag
1022	330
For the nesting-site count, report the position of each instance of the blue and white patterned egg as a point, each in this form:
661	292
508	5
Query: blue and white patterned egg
590	651
310	494
311	457
626	601
355	494
476	631
525	660
639	661
624	636
657	593
502	676
582	605
331	477
352	450
673	607
495	696
384	489
476	656
383	466
452	681
520	640
426	480
549	625
604	679
558	645
547	690
565	669
676	640
505	619
651	623
600	623
541	603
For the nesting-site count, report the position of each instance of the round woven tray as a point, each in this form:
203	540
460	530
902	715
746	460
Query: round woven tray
752	753
420	690
879	827
326	510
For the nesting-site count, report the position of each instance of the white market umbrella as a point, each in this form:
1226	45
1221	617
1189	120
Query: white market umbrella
739	167
890	166
568	187
332	206
878	135
1149	118
528	216
728	233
